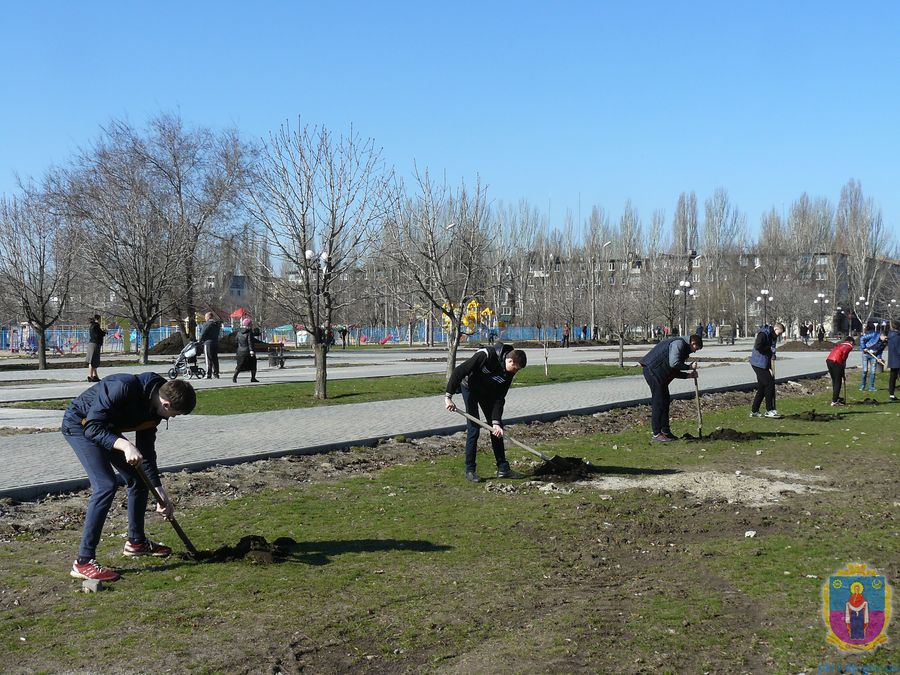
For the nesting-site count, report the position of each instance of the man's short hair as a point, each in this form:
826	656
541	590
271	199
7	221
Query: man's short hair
180	394
697	340
779	325
209	316
850	339
518	357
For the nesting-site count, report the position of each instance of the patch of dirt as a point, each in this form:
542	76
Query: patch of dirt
251	547
813	346
565	468
725	434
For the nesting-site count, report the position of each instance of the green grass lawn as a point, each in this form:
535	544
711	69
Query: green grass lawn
237	399
413	569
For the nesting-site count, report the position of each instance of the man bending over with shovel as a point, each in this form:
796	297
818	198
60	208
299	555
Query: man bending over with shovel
93	425
662	364
484	380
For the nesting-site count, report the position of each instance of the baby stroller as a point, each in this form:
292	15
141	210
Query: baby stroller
186	363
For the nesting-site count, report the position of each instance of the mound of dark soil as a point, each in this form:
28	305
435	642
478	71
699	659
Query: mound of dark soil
252	547
725	435
813	416
869	401
173	345
564	468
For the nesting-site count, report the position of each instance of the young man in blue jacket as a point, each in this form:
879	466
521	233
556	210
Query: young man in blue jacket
761	359
868	343
893	347
94	424
662	364
484	380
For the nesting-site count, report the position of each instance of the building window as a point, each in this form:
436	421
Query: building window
611	266
821	276
822	260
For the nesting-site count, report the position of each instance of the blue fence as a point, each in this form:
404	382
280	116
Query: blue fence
72	340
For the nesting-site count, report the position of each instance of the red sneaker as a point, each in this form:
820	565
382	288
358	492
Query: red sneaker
146	548
93	570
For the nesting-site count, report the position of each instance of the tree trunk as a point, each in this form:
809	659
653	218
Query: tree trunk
321	370
621	350
145	346
453	336
42	348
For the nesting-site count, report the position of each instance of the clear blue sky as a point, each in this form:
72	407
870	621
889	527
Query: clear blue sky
552	101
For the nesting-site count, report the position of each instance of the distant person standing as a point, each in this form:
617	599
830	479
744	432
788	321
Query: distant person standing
761	360
868	343
662	364
209	338
821	333
343	334
584	333
804	333
566	332
893	347
94	346
245	352
837	364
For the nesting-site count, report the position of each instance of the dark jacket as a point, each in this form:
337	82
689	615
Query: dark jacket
877	348
116	404
668	360
764	348
244	342
96	334
893	347
485	375
209	332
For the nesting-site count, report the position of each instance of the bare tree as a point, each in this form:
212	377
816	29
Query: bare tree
684	225
441	244
134	247
37	251
319	197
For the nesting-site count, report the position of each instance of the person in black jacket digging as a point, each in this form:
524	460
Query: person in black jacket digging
483	381
662	364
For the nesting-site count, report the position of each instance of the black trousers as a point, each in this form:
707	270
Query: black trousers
892	381
211	352
660	401
836	370
473	402
765	389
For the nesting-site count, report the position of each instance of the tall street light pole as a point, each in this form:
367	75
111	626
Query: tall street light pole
821	301
764	297
684	290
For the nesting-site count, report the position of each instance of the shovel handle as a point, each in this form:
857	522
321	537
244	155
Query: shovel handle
505	435
184	538
699	413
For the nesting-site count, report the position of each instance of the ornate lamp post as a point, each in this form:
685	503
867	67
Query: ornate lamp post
821	301
685	290
764	297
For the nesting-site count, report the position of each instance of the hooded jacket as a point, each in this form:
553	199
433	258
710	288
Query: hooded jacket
485	375
668	360
116	404
764	348
209	331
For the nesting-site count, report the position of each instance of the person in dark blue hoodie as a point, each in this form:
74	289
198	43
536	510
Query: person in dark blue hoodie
868	343
893	360
662	364
761	359
94	424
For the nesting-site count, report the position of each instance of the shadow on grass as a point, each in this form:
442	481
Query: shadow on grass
321	552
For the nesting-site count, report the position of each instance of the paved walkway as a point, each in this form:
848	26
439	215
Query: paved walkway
40	463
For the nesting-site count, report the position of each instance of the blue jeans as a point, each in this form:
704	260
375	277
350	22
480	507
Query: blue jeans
472	431
99	463
868	368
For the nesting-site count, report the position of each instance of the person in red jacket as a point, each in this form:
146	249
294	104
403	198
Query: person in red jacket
837	363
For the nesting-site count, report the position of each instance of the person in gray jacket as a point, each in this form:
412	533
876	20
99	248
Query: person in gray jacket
662	364
209	338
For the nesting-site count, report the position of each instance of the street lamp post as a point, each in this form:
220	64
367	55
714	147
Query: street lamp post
685	290
862	305
319	261
821	301
764	297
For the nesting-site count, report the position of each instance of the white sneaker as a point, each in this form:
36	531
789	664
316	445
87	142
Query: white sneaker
755	414
773	414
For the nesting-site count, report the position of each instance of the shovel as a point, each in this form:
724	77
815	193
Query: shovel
505	435
187	542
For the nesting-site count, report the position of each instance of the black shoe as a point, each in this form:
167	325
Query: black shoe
216	376
234	379
509	473
253	379
208	377
472	476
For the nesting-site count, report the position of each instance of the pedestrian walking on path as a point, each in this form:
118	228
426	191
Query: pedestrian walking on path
662	364
484	380
93	425
245	353
209	338
836	361
94	345
761	359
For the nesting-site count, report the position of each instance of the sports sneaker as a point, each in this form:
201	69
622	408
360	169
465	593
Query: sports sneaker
872	389
773	414
835	404
661	438
472	476
509	473
93	570
755	414
892	397
146	548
